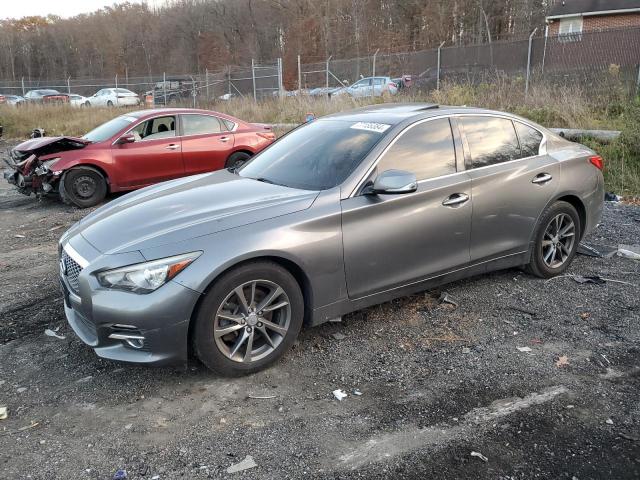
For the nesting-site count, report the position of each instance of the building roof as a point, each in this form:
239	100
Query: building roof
563	8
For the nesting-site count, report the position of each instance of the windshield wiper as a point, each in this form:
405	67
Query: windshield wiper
266	180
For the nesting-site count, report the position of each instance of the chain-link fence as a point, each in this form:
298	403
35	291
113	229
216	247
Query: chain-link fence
258	81
591	59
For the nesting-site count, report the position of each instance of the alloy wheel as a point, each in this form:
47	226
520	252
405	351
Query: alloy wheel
252	321
558	240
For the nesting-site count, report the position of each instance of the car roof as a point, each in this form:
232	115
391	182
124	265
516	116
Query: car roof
151	112
395	113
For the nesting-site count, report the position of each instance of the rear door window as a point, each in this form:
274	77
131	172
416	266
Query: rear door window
200	125
491	140
425	149
530	139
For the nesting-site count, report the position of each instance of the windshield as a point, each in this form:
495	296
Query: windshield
109	129
316	156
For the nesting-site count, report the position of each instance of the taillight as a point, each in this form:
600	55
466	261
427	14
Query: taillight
267	135
597	162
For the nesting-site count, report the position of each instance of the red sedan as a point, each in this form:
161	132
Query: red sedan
134	150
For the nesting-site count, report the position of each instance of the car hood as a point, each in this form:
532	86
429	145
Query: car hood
51	144
187	208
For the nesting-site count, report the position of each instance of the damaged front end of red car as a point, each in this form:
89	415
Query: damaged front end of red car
33	163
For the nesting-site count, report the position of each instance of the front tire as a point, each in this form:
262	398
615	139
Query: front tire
83	187
555	241
249	319
109	103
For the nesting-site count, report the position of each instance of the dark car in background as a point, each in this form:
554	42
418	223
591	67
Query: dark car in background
172	91
132	151
46	96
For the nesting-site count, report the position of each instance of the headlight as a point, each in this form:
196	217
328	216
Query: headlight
45	166
146	277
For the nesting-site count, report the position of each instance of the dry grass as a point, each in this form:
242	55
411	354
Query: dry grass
54	119
551	106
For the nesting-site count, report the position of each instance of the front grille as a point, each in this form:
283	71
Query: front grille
72	269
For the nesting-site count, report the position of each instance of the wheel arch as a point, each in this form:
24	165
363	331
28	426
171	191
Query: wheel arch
91	166
288	264
242	149
578	204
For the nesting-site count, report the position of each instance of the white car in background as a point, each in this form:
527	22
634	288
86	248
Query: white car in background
368	87
114	97
76	100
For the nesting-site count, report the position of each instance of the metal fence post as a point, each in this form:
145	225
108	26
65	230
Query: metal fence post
253	77
229	83
438	72
280	82
526	84
116	89
194	90
206	81
299	78
164	87
327	72
68	84
373	74
638	82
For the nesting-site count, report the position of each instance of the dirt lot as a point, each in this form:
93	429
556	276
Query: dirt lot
437	382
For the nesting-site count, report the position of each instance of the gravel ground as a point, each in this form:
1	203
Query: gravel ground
437	382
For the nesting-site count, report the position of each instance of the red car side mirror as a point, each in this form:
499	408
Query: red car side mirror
129	138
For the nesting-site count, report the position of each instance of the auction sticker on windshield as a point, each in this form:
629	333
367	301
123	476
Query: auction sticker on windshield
371	127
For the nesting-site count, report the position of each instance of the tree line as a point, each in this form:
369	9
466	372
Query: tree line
189	36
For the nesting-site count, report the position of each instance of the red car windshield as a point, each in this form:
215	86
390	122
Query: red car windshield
109	129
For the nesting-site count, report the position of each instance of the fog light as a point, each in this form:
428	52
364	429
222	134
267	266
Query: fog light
133	340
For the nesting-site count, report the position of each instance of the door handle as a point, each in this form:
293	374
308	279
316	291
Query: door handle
224	139
541	178
173	146
455	199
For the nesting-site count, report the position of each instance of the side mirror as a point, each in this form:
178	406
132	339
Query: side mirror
393	182
128	138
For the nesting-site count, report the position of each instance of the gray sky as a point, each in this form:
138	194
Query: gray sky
64	8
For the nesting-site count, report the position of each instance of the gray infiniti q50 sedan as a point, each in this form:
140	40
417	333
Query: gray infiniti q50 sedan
345	212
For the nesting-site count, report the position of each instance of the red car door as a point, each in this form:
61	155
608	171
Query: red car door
206	143
154	156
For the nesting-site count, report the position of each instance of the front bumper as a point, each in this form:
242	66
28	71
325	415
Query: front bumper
150	328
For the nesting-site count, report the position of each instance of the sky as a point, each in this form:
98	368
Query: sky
64	8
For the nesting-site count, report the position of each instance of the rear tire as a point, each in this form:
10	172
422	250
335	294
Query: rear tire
271	331
555	241
83	187
236	160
